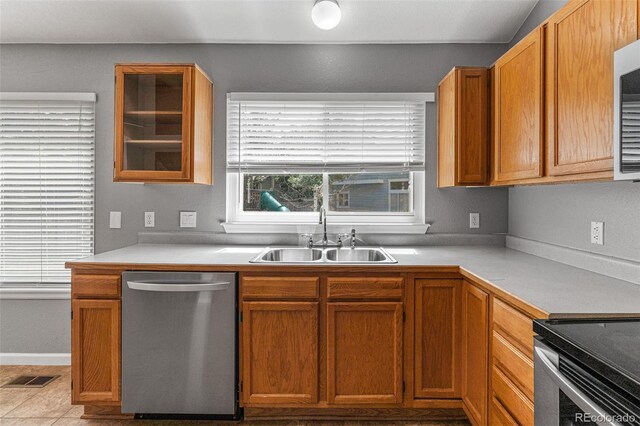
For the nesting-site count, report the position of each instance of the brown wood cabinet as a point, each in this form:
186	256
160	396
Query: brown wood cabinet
437	338
582	37
475	352
511	363
163	124
364	353
518	99
280	352
95	352
463	127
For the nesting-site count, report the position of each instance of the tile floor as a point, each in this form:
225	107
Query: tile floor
51	405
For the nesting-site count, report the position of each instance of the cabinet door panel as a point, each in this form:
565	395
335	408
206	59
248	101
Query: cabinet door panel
518	103
153	123
95	353
582	39
280	352
364	353
437	338
473	130
475	348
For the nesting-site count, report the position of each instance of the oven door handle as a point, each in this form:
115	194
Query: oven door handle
575	394
178	287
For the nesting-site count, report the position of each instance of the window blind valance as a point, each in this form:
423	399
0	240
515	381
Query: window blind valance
340	134
46	185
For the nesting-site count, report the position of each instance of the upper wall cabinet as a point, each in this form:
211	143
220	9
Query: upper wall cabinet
163	124
463	127
581	40
518	84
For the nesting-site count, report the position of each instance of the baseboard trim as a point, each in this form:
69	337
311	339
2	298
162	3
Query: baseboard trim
606	265
35	359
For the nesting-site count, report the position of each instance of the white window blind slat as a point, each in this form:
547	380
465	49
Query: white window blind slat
47	166
307	136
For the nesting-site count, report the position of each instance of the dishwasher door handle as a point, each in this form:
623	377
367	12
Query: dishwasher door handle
177	287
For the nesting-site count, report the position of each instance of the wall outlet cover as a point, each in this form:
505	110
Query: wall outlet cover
115	220
187	219
597	233
474	220
149	219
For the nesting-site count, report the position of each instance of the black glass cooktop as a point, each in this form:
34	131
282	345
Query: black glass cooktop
610	347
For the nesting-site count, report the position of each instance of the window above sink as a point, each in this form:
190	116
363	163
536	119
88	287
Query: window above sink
360	156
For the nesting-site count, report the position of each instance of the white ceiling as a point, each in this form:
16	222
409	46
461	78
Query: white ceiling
259	21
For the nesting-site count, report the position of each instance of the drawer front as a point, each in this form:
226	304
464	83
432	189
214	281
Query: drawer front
514	364
364	288
515	326
95	286
511	398
499	415
280	288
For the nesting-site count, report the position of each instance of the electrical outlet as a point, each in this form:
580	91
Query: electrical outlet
149	219
115	220
474	220
187	219
597	233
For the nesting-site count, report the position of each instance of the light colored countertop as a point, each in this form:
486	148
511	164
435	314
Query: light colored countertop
552	287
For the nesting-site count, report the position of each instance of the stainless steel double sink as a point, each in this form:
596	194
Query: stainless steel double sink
367	255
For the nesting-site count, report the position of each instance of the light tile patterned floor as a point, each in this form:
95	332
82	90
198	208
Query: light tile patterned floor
51	405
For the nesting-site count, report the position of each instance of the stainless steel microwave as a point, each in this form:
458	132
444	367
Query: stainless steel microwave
626	112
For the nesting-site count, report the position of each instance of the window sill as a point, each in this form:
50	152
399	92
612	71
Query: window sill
307	228
35	293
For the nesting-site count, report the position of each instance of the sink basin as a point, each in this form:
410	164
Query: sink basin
327	255
289	255
359	255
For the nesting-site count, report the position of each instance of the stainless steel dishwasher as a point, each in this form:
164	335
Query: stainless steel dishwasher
179	345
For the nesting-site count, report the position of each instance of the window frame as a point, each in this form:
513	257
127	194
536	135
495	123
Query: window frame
413	222
239	221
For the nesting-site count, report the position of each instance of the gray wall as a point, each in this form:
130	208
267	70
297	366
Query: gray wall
293	68
562	214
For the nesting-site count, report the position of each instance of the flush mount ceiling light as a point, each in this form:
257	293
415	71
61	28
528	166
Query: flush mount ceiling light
326	14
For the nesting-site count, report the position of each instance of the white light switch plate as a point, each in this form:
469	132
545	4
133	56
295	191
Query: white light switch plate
149	219
474	220
597	233
115	220
187	219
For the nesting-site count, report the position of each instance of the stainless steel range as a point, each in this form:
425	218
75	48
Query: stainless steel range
587	372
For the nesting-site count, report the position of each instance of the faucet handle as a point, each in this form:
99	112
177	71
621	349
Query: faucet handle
309	238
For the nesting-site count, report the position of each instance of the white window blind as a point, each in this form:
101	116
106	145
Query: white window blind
46	185
325	132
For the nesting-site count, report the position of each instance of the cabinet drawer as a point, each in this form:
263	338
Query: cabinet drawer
280	287
364	287
514	363
513	400
95	286
499	415
513	325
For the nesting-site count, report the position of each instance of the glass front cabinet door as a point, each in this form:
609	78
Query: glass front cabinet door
163	124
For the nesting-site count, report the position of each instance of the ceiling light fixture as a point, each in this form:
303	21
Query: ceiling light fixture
326	14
